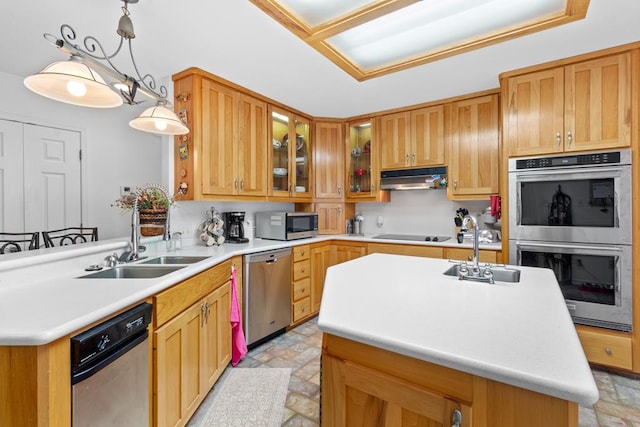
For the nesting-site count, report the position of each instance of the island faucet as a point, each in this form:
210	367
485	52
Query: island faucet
133	253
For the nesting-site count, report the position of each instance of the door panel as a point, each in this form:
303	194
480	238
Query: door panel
52	178
11	177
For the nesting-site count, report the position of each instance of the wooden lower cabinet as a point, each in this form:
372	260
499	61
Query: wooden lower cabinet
347	252
192	349
321	259
409	250
464	254
301	283
604	347
370	387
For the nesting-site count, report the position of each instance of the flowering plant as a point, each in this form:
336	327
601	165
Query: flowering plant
151	198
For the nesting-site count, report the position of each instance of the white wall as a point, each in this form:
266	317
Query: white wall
113	153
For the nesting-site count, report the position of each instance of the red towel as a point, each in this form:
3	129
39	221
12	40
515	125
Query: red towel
496	206
238	343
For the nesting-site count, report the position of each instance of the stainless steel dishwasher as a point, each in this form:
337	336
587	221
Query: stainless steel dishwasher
110	372
267	294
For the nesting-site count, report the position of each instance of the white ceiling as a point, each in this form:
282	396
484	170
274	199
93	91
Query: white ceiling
235	40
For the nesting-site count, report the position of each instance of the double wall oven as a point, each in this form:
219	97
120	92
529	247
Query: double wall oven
572	214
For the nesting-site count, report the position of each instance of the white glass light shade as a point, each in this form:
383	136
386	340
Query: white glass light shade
159	119
75	83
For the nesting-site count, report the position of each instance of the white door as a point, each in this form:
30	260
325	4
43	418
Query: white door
11	181
52	178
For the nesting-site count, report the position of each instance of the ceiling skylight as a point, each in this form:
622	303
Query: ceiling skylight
370	38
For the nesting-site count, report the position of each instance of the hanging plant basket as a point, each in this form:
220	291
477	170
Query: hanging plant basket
152	216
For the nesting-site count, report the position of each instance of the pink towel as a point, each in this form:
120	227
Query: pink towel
496	206
238	343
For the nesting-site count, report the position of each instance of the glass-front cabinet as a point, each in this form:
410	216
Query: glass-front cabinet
363	166
290	155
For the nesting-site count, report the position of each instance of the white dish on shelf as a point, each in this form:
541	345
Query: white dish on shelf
300	189
280	171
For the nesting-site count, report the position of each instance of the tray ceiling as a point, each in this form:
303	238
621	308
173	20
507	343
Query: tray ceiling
372	38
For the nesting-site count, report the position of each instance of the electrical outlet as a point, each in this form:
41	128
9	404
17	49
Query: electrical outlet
125	190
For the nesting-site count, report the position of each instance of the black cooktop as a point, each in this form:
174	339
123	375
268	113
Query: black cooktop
412	237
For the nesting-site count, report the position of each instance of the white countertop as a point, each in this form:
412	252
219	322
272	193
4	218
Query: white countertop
517	333
42	298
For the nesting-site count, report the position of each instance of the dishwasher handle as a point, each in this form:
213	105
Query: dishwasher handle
269	261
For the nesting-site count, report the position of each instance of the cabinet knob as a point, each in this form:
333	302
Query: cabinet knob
558	139
569	138
339	190
455	184
235	183
241	184
413	158
608	351
406	159
456	418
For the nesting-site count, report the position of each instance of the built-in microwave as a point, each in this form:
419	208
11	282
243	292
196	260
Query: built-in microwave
286	225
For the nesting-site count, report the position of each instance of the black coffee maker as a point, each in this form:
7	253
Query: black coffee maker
234	228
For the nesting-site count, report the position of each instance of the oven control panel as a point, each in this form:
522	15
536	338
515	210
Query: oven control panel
572	160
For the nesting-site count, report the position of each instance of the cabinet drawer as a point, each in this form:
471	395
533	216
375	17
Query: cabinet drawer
606	349
301	309
411	250
467	255
301	270
301	289
301	253
178	298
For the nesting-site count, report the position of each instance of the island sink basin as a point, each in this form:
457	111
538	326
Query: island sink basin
171	259
500	274
132	272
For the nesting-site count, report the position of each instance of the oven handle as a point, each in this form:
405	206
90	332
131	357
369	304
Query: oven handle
526	173
568	246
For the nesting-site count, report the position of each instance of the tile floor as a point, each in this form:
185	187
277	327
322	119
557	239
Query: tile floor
299	349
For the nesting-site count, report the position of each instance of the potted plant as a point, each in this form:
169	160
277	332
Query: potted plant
152	206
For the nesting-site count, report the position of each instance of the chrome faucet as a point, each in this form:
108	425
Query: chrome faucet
475	268
135	248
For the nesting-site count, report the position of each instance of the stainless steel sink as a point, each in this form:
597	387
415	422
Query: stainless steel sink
172	259
500	274
132	272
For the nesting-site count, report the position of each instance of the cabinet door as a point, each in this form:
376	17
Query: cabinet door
331	218
300	149
534	116
394	134
178	368
320	261
369	398
348	252
219	175
427	136
598	103
328	160
475	143
252	149
216	344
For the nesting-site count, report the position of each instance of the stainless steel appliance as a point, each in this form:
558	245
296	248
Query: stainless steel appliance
572	213
412	237
286	225
234	227
414	179
110	371
267	294
571	198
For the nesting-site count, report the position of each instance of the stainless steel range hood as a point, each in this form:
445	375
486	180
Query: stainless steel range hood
413	179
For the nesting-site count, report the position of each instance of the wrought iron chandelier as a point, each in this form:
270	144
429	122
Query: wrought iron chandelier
90	79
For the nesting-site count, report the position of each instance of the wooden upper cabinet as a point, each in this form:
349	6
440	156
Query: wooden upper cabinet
328	160
598	103
219	118
474	148
427	136
394	132
577	107
225	153
252	147
534	116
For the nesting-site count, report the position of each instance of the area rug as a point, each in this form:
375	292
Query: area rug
250	397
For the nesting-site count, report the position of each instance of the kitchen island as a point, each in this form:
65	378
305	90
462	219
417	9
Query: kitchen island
404	344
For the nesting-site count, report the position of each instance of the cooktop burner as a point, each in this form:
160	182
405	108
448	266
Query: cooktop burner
412	237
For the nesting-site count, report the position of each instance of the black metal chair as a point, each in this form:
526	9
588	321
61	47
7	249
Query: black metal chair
69	236
16	242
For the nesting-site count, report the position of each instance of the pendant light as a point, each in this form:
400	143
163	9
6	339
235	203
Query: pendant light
90	79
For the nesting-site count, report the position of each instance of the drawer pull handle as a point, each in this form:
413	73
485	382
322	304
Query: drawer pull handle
608	351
